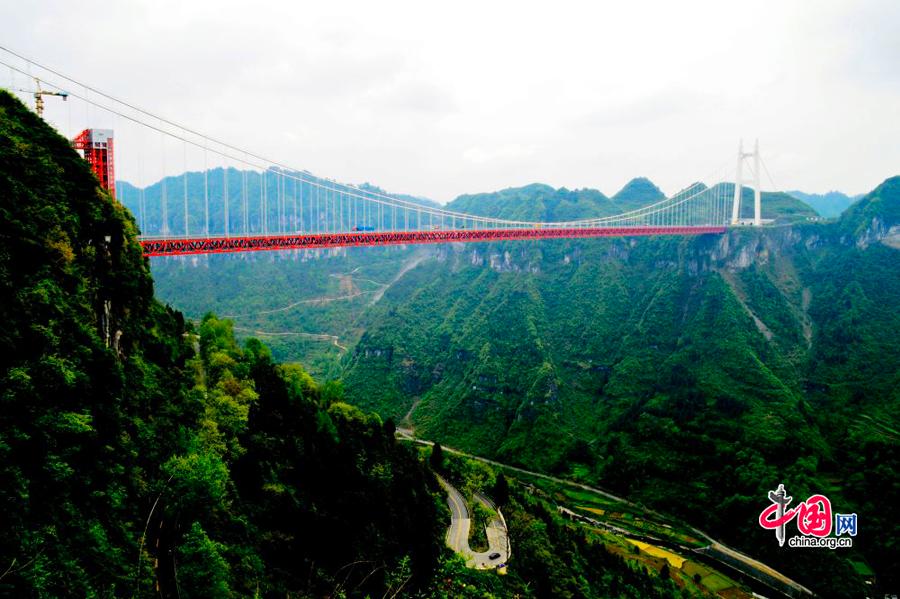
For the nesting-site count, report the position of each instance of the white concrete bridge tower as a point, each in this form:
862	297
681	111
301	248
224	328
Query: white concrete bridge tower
739	182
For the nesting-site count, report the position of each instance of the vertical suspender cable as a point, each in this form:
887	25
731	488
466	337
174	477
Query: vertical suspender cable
225	196
206	187
184	190
163	195
262	177
244	222
142	184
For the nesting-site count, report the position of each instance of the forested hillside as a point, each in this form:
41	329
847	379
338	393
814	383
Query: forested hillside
693	374
637	193
131	442
143	455
305	305
538	202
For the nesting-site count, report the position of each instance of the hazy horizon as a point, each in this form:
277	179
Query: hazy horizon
438	101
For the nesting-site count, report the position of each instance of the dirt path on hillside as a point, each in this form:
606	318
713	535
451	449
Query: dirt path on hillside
334	339
314	300
410	264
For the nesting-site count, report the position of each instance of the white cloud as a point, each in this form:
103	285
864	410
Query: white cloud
438	100
506	152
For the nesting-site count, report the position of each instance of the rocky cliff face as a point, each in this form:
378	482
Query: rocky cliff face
663	367
571	302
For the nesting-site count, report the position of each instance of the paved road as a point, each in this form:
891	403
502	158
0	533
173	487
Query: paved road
745	563
460	524
497	536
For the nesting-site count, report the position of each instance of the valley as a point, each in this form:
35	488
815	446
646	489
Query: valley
634	363
355	300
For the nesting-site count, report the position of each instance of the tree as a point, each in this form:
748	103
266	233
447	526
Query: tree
501	490
203	571
389	428
437	457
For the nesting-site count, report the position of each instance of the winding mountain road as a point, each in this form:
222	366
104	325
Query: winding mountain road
716	549
461	523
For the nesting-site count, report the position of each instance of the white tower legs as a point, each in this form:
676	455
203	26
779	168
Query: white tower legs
739	182
757	193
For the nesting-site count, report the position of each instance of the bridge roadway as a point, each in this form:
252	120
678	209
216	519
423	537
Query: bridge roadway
177	246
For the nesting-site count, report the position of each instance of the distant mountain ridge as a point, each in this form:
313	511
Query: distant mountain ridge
638	192
830	204
401	196
541	202
626	361
536	202
636	360
246	189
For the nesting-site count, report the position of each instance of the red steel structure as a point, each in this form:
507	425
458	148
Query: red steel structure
218	245
97	145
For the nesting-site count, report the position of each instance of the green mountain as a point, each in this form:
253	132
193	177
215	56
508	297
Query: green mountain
873	219
405	197
693	374
777	205
144	456
637	193
828	205
305	305
536	202
271	200
131	442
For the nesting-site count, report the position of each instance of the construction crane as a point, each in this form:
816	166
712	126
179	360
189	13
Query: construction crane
39	96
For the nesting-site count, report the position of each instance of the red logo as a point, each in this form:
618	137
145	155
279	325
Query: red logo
813	515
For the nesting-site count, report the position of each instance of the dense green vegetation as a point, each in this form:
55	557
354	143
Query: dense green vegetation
536	202
305	305
551	556
132	443
693	375
637	193
145	455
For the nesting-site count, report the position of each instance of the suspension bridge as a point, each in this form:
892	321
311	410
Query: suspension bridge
194	194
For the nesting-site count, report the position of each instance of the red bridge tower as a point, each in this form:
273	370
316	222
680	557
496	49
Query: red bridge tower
97	145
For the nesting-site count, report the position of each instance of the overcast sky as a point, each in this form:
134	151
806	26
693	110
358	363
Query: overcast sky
439	99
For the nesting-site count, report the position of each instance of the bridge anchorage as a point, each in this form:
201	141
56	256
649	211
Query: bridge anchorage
194	194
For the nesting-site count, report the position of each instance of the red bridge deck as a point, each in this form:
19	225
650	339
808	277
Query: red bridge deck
176	246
